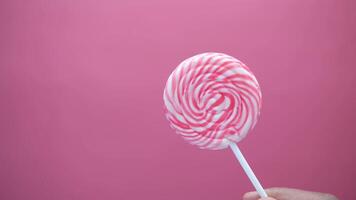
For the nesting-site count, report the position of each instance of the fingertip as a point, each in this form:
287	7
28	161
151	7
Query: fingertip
251	196
255	196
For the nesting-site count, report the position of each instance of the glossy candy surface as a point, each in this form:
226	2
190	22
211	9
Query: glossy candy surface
212	99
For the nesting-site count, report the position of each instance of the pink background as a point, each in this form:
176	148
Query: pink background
81	103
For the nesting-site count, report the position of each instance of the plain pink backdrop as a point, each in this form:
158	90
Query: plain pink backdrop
81	108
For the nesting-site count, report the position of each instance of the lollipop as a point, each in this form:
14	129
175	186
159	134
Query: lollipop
213	100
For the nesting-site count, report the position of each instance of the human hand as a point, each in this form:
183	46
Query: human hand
289	194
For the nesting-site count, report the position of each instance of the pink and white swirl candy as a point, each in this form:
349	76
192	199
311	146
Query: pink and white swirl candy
212	99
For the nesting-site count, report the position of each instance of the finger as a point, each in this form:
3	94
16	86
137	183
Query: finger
274	192
251	196
255	196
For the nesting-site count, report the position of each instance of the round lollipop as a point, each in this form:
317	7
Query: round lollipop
213	100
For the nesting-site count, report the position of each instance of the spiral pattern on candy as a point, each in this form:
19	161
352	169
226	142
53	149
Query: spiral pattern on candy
212	99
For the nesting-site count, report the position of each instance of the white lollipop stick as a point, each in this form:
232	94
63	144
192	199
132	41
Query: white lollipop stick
248	170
